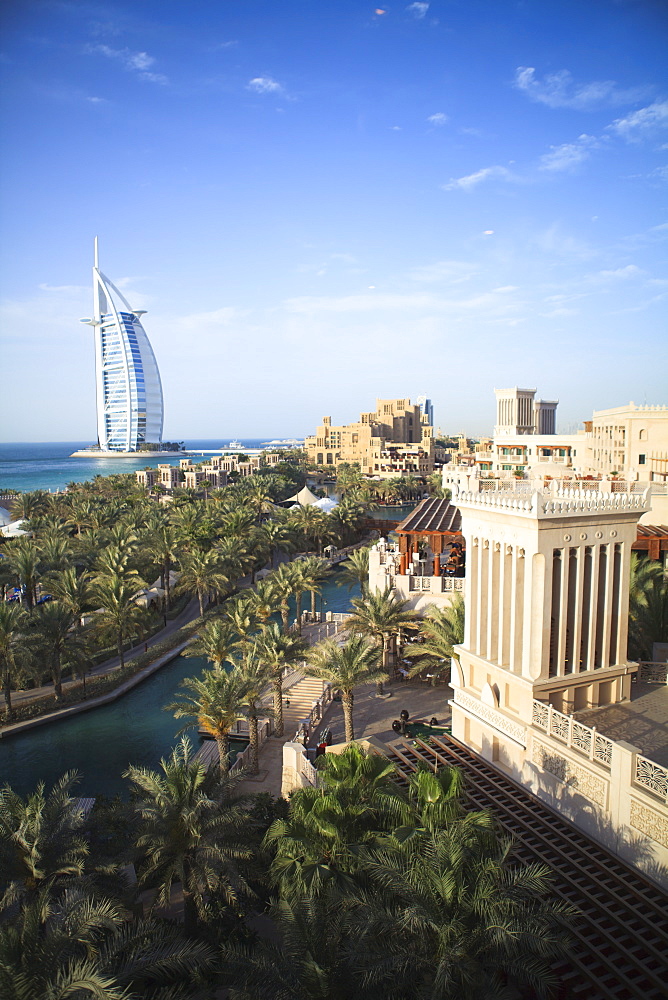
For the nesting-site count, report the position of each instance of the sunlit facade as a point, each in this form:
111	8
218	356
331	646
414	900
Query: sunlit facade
129	392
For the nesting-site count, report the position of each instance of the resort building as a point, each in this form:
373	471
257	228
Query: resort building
371	441
128	388
631	441
544	661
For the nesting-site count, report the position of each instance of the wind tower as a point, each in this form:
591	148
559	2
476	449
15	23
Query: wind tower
128	387
547	597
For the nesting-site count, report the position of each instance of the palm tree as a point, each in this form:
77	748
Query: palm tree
214	702
278	650
355	570
242	620
28	506
13	622
203	573
300	578
263	601
310	522
648	622
24	560
315	571
56	552
164	541
40	840
381	615
72	591
281	582
119	611
190	833
215	641
448	917
345	667
53	636
256	675
442	629
279	537
317	845
79	946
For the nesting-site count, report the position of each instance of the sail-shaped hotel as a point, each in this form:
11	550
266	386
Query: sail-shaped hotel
129	392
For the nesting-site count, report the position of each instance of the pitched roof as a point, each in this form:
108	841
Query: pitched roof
433	514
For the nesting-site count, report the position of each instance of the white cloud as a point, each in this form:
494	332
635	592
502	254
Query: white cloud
470	181
134	62
264	85
569	154
449	272
619	273
438	119
559	90
640	123
418	10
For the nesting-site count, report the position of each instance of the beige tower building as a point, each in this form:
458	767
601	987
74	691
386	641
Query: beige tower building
546	634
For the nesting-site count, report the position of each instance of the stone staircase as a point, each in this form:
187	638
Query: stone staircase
301	693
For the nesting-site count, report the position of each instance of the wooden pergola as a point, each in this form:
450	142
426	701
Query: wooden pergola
439	523
652	539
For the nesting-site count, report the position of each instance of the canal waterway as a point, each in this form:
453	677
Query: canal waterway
101	743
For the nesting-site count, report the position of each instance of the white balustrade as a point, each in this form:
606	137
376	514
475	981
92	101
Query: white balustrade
585	739
651	776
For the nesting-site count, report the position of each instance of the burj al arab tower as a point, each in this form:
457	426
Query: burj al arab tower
129	393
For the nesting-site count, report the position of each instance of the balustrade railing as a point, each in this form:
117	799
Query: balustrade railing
652	673
651	776
436	584
584	739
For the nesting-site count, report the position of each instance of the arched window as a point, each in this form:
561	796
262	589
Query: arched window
643	435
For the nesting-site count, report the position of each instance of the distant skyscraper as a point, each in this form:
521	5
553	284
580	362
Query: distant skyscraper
129	393
426	407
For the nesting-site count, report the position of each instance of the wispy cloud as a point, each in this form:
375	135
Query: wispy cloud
135	62
560	90
447	272
639	124
470	181
418	10
438	119
264	85
569	155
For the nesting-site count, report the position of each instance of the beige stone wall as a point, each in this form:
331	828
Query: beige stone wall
631	440
393	421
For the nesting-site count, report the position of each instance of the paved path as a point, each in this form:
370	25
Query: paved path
189	613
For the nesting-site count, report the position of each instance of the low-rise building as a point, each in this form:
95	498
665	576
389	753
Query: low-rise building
367	443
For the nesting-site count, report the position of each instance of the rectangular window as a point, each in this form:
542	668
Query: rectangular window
641	459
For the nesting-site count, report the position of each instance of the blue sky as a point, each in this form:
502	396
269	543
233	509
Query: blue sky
319	204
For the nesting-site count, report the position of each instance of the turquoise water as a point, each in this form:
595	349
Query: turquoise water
133	730
48	466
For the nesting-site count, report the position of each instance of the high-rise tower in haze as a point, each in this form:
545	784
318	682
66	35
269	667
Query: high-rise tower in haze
129	392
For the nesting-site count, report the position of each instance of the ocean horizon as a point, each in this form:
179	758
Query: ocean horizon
47	465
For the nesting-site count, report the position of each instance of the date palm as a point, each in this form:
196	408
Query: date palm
189	833
53	636
355	570
31	505
278	650
316	571
281	582
72	591
203	574
118	608
215	641
24	561
79	946
279	537
263	601
346	667
449	917
381	615
56	552
41	841
257	676
214	701
13	625
441	629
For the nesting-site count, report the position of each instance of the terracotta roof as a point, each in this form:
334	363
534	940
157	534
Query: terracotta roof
433	515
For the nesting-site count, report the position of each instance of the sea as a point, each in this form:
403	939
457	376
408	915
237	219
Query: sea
48	466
